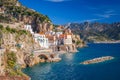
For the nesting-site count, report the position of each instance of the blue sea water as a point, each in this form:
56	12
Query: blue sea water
71	69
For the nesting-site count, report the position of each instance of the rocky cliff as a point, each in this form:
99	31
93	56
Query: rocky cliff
14	40
78	41
17	45
11	11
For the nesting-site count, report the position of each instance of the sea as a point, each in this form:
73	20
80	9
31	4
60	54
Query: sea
69	68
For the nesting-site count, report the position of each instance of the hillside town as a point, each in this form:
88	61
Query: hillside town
61	40
30	47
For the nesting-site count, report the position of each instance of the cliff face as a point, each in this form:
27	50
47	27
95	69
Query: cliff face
17	41
11	11
78	41
22	45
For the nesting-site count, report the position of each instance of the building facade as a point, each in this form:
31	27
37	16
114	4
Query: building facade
42	40
68	39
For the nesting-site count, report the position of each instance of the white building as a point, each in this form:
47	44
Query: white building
29	28
42	40
59	33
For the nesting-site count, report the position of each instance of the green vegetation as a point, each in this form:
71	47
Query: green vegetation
13	30
32	54
78	42
14	13
13	69
21	32
8	2
11	59
18	33
4	19
1	27
20	14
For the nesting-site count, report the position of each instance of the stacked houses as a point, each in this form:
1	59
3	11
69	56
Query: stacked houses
52	39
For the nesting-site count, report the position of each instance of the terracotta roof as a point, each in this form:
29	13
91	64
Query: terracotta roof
62	36
42	33
60	27
47	35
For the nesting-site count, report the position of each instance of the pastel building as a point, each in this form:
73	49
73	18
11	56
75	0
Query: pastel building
65	39
68	39
52	40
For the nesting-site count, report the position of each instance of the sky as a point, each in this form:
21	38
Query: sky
77	11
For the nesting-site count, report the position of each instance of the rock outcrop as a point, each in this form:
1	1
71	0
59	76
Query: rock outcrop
78	41
97	60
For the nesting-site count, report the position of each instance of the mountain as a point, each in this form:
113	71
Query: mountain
95	32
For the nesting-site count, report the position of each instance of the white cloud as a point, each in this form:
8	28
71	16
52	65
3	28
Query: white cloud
109	11
91	20
57	0
106	14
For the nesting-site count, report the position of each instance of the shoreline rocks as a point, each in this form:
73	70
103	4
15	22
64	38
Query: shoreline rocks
14	78
97	60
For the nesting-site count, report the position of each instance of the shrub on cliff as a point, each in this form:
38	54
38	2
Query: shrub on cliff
12	68
21	32
11	59
1	27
